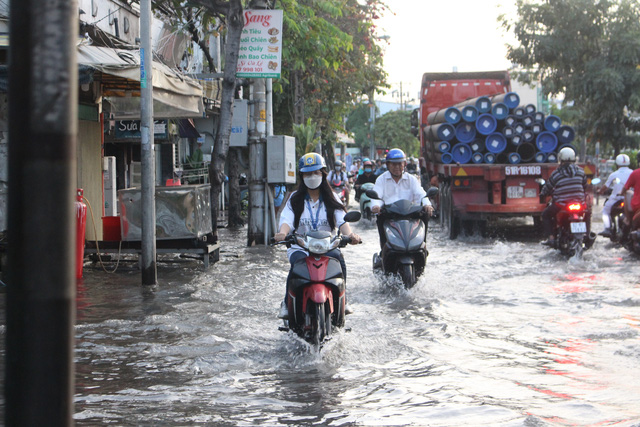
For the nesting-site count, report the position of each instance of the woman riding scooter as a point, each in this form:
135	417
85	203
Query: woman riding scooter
313	206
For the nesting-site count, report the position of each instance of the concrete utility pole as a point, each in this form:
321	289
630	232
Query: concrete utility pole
43	96
148	259
257	169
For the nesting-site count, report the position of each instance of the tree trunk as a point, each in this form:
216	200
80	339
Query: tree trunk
235	24
235	217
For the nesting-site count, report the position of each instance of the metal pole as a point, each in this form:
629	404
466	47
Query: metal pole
43	96
148	259
372	121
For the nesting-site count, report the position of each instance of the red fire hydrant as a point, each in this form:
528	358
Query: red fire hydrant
81	221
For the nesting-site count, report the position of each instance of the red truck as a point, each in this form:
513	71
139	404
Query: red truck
471	194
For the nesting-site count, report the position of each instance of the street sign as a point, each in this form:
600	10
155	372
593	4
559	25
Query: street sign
261	44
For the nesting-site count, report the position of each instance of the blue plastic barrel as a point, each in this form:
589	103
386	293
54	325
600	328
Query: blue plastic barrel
489	158
483	104
461	153
552	158
510	120
465	132
500	111
566	134
469	114
446	158
444	146
452	115
552	123
513	158
477	157
540	157
546	141
495	143
486	124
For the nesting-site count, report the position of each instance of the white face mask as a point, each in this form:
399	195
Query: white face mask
312	181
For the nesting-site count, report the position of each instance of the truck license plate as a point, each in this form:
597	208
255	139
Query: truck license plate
515	192
578	227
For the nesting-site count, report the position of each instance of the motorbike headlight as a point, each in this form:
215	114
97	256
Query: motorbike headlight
319	246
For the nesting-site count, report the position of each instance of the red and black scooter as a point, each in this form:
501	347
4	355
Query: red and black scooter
316	290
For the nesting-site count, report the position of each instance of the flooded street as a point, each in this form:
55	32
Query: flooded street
499	331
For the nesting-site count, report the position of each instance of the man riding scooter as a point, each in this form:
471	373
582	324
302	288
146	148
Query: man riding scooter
396	184
616	182
565	184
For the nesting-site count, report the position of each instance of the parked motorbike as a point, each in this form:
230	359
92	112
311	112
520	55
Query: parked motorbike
365	201
405	251
317	289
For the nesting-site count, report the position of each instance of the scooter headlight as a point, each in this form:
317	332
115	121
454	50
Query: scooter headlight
319	246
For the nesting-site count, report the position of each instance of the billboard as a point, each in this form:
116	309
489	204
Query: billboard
261	44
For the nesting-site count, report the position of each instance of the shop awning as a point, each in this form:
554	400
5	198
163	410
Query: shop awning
118	70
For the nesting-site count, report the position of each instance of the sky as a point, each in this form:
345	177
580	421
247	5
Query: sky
436	36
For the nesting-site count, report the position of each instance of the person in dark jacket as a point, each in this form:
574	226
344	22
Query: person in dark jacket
566	183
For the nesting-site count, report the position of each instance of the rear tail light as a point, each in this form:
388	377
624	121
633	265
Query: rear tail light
574	207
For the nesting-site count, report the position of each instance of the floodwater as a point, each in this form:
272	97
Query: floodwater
499	331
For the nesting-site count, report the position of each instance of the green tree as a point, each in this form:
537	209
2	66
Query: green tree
330	59
358	123
393	130
306	139
587	50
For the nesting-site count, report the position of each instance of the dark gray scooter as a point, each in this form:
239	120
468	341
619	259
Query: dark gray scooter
405	251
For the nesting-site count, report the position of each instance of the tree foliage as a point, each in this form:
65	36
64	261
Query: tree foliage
587	50
306	139
330	54
393	130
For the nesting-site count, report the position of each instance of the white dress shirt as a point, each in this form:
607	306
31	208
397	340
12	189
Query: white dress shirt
407	188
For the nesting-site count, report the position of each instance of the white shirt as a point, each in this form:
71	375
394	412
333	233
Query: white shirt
407	188
623	175
308	218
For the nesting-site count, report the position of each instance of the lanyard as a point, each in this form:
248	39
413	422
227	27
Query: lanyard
314	223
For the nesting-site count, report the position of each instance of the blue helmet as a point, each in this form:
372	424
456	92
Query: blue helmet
311	162
396	155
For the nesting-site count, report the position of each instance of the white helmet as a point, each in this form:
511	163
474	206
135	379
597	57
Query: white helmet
567	154
623	160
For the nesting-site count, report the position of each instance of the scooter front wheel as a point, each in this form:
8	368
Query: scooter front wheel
321	329
408	275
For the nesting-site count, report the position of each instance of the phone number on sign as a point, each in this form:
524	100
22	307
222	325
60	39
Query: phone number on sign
522	170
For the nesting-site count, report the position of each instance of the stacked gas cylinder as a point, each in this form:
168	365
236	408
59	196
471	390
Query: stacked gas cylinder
495	129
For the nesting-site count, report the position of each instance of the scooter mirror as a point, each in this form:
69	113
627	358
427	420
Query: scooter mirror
432	191
372	194
596	181
352	216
